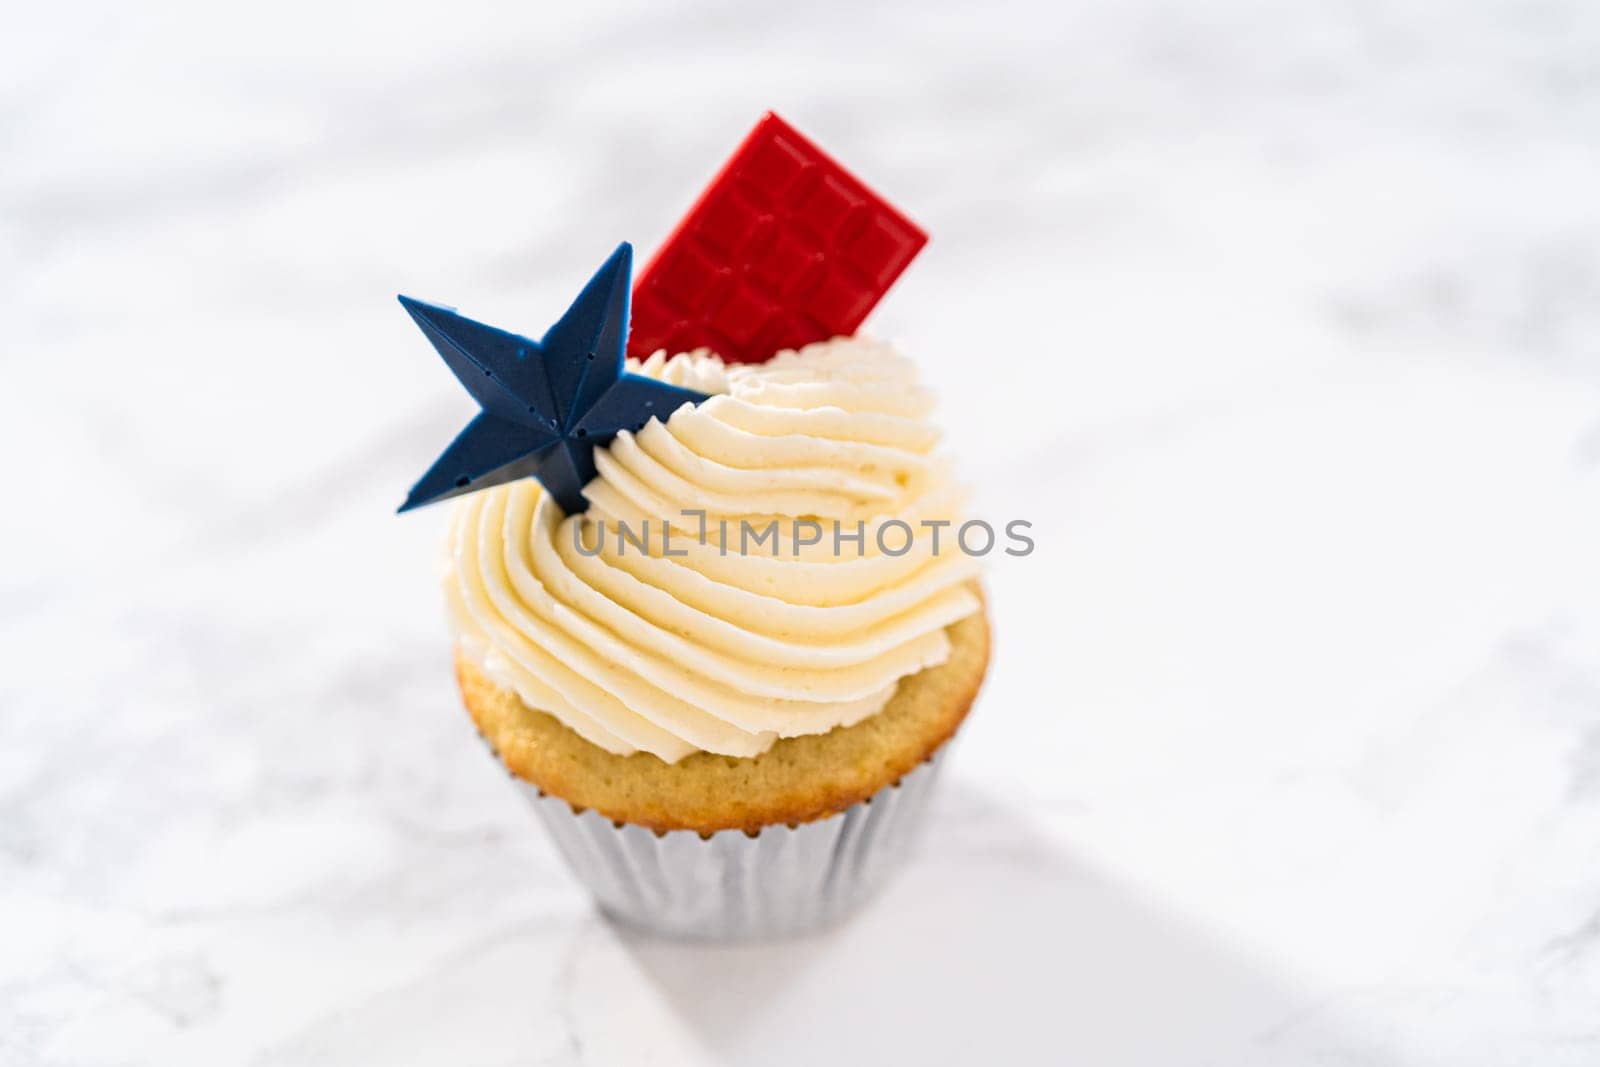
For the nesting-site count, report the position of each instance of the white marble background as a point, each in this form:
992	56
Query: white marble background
1281	322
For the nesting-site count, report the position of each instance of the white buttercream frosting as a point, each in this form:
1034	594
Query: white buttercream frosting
725	644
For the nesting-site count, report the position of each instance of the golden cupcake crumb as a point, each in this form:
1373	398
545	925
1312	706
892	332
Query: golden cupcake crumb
797	780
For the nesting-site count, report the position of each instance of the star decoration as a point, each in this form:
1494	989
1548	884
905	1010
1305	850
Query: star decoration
783	248
547	404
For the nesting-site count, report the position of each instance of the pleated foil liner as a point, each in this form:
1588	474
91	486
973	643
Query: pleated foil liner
732	886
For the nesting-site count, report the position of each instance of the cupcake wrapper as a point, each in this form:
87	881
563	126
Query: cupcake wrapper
732	886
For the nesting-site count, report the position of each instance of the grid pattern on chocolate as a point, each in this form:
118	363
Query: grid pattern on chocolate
783	248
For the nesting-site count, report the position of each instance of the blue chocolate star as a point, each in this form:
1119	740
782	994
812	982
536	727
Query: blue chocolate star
546	404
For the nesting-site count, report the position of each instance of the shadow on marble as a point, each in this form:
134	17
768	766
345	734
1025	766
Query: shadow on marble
996	946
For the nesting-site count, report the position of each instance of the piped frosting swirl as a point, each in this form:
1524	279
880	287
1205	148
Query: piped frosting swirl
685	610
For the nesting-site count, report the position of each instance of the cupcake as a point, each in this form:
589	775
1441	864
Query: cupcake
709	605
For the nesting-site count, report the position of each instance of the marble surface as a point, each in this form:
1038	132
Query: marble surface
1280	322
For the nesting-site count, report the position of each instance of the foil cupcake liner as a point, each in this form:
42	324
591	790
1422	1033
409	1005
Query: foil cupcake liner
734	886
